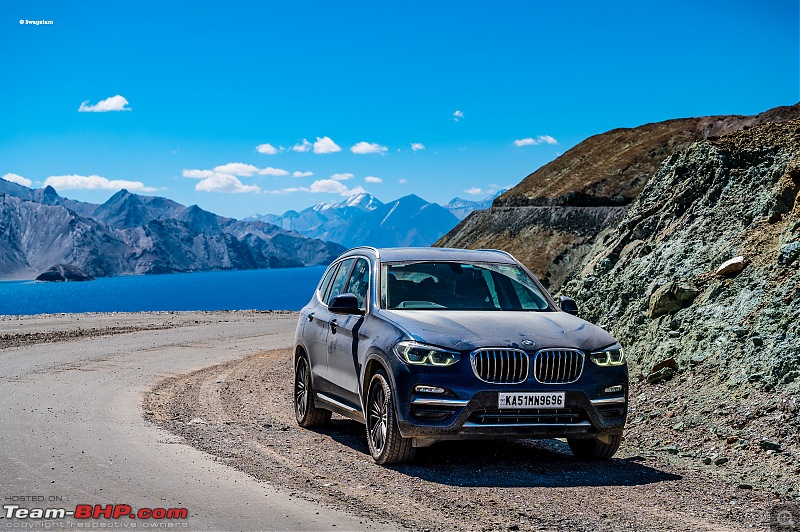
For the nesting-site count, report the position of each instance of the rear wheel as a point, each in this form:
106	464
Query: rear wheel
594	448
386	445
305	412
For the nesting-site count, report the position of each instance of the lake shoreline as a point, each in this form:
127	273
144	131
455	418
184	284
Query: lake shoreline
263	289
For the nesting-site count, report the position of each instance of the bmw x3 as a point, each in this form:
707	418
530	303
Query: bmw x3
430	344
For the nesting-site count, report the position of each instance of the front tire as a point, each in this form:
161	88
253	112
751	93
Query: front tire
593	448
386	445
306	413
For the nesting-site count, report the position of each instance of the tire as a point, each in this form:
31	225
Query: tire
386	445
594	449
306	413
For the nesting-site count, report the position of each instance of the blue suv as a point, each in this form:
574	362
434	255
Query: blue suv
429	344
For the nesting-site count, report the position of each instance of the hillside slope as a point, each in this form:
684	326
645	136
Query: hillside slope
736	196
604	171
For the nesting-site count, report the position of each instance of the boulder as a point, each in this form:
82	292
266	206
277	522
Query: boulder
732	267
64	272
788	253
667	363
671	297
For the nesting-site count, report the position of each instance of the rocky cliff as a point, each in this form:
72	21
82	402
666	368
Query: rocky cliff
699	278
738	196
603	174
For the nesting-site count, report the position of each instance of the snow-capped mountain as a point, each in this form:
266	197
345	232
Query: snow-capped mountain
462	208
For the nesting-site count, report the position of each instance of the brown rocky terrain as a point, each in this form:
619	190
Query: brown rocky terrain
605	173
241	413
699	278
731	337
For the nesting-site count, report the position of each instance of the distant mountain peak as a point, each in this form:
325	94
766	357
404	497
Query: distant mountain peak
363	200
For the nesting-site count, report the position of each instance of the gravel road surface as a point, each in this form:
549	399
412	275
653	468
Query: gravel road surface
242	413
71	388
85	399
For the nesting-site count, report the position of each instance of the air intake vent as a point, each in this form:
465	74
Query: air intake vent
558	366
505	366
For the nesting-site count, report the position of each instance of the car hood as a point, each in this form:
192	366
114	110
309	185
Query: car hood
469	330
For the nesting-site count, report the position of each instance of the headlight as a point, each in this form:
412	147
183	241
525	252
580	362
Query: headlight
425	355
608	357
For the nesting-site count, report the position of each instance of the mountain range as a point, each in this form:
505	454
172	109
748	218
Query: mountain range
363	219
134	234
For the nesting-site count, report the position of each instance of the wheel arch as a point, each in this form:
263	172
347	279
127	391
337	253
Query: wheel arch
375	360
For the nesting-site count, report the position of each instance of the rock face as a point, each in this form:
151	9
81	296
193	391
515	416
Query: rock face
64	272
139	234
653	280
555	239
607	172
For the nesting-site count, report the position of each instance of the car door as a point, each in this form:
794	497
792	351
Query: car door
343	340
317	327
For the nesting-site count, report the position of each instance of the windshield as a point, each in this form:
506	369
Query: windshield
459	286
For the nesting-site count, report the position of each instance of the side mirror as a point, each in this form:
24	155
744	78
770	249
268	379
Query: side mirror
568	305
345	304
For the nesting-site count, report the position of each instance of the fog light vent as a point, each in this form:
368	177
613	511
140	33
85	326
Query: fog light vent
613	389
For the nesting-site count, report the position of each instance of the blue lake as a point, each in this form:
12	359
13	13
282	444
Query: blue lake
278	289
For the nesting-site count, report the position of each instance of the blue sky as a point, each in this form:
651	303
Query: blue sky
206	83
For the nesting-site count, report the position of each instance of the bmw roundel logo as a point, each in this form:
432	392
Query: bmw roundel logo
528	342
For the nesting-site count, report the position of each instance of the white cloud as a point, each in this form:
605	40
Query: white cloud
225	183
114	103
458	115
530	141
237	169
273	171
302	174
363	148
18	179
416	146
326	145
94	182
341	177
474	191
302	147
199	174
267	149
282	191
373	179
333	187
402	181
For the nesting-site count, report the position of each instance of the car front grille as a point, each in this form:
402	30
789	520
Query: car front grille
558	366
530	416
505	366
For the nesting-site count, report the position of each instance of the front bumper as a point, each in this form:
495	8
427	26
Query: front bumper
469	408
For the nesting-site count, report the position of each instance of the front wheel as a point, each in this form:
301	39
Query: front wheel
306	413
594	448
386	445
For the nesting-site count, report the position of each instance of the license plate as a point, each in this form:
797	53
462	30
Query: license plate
530	400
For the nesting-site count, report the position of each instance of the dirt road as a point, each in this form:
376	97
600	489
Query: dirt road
242	413
72	426
82	396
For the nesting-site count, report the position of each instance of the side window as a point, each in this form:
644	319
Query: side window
325	282
359	282
337	286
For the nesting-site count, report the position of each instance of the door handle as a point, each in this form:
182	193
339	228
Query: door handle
332	323
310	316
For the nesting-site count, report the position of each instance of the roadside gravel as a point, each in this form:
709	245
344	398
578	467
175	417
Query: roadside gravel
241	413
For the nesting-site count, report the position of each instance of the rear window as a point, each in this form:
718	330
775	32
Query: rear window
459	286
